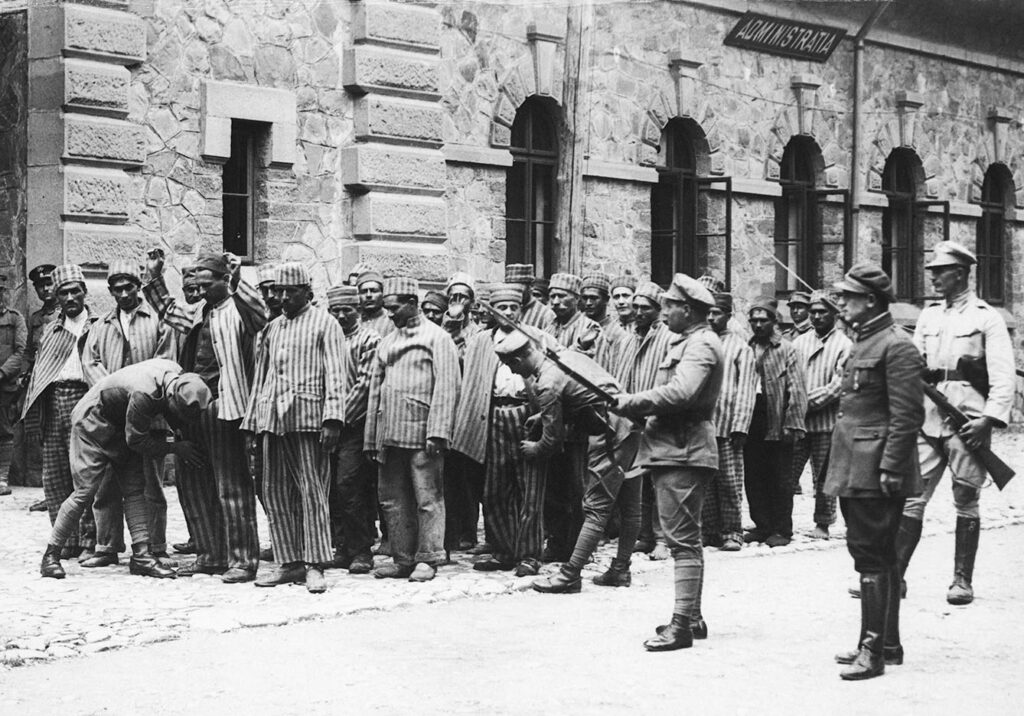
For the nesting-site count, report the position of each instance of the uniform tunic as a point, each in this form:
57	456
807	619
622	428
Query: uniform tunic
13	343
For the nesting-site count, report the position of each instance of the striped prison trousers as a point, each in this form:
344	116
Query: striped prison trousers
58	483
816	446
722	514
513	489
218	499
296	479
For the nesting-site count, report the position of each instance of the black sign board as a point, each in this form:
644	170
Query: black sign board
785	37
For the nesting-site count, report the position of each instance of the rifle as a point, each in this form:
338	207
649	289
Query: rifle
551	354
1001	472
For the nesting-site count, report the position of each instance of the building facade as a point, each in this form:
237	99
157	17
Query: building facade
647	137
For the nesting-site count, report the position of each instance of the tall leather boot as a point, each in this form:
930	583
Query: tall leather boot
967	531
145	564
565	581
675	635
907	537
874	607
50	566
617	575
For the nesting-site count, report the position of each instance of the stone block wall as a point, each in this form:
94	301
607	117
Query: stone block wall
13	149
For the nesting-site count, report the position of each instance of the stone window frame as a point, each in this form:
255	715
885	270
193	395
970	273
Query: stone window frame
903	182
684	155
248	137
798	218
520	185
994	271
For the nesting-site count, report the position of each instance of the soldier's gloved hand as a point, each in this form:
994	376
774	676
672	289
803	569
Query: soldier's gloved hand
436	446
190	453
976	432
330	435
889	483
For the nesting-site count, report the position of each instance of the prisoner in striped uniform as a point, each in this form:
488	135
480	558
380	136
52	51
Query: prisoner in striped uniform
534	313
414	389
296	412
489	427
353	487
113	433
777	423
563	509
370	285
622	290
595	291
823	352
56	386
722	518
646	344
130	333
218	345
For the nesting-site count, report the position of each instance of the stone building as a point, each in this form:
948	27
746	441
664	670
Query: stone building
426	137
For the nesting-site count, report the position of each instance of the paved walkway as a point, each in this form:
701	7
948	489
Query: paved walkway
95	610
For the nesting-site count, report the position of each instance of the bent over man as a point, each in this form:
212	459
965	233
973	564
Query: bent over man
873	464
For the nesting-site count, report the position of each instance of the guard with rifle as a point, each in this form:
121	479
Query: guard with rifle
570	388
873	465
969	358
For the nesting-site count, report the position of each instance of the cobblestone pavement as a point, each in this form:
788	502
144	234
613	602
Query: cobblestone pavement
96	610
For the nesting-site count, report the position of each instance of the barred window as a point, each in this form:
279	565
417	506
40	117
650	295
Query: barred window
902	252
531	189
674	206
996	192
797	217
239	187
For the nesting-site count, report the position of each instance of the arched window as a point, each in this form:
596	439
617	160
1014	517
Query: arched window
991	246
674	205
902	254
797	219
530	188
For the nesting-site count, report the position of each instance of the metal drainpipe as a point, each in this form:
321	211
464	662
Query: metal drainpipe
858	72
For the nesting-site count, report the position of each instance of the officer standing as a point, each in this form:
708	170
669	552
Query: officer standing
679	449
970	360
873	464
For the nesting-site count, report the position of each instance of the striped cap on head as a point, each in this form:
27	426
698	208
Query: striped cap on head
712	283
519	273
624	281
724	302
291	274
461	278
600	281
649	290
370	275
342	296
542	283
400	286
823	298
68	273
212	262
566	282
507	292
120	267
265	274
483	292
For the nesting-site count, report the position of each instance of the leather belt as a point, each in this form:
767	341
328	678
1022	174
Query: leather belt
938	375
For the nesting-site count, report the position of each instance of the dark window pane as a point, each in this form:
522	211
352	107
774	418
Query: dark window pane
530	189
236	225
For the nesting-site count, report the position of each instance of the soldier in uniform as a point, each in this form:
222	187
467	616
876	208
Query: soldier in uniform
678	447
823	354
13	340
963	340
873	465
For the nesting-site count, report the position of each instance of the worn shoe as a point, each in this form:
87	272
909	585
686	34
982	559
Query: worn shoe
37	506
491	564
4	489
866	665
528	568
893	656
675	635
559	583
960	591
820	532
660	552
754	536
100	559
238	575
422	573
50	566
617	575
361	564
165	560
145	564
393	571
315	582
698	627
185	547
777	541
190	568
731	544
291	573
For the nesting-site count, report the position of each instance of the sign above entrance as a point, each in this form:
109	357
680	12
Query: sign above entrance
785	37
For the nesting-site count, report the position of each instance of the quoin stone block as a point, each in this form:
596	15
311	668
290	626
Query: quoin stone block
104	139
396	216
371	69
96	86
99	31
377	166
93	194
395	24
395	119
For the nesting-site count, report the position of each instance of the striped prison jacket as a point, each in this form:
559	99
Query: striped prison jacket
823	361
735	405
